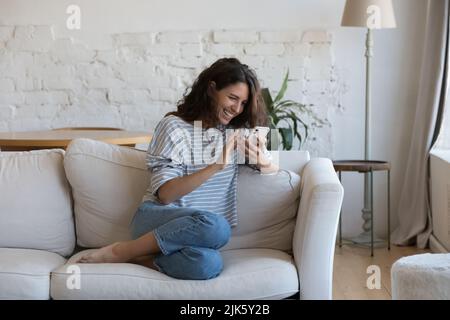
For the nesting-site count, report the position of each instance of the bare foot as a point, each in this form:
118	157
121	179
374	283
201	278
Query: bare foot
108	254
146	261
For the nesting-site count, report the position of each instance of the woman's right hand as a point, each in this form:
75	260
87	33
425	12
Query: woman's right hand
178	187
227	151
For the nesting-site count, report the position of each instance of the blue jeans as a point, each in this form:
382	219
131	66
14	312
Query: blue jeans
189	239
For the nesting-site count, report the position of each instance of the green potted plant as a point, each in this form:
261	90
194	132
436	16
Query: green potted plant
290	113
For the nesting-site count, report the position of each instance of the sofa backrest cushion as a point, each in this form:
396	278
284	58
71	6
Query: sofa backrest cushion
267	204
109	181
267	209
35	202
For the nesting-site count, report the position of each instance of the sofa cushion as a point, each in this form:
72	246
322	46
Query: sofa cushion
35	202
267	208
108	183
247	274
25	273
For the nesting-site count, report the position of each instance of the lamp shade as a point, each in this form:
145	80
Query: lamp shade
372	14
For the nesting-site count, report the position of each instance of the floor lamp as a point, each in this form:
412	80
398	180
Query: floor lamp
369	14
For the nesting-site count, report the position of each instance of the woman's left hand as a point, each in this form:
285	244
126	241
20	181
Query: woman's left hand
254	152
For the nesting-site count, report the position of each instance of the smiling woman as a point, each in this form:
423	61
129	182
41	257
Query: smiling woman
228	92
189	207
229	101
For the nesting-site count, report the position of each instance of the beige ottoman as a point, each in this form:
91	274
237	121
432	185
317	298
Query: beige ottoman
422	276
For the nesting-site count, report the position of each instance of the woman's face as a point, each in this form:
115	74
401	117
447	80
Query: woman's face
230	101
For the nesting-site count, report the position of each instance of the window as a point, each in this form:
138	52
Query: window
443	141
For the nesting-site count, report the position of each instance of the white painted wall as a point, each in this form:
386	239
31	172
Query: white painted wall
108	25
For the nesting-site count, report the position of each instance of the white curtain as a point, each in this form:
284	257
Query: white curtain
414	210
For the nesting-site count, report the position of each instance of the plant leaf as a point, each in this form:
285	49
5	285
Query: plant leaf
267	97
275	119
272	124
291	112
287	104
296	133
290	115
286	136
305	126
282	91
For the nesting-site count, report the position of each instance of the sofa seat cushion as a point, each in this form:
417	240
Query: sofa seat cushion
35	202
247	274
25	273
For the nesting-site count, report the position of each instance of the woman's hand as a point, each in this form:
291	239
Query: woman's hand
227	151
180	186
254	151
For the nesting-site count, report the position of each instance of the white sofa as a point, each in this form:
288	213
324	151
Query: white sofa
55	204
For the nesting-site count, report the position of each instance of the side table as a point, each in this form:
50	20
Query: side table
367	166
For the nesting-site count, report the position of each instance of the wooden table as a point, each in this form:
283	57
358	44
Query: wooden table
33	140
367	166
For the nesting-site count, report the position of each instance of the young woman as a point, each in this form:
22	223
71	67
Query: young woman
190	205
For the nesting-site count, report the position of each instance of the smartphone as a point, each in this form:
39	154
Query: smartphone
261	131
256	131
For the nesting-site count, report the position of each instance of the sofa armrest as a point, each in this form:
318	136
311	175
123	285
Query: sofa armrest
316	226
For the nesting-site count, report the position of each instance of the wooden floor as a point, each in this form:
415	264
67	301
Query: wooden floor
350	271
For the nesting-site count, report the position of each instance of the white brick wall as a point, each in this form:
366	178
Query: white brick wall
31	38
46	97
236	36
6	112
134	39
179	37
6	33
264	49
280	36
132	79
6	85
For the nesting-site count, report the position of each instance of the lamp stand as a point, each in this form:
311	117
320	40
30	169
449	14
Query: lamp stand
365	237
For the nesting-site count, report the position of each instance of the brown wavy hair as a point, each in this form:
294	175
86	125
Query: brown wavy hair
197	104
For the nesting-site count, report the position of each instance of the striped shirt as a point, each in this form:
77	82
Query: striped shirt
179	148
